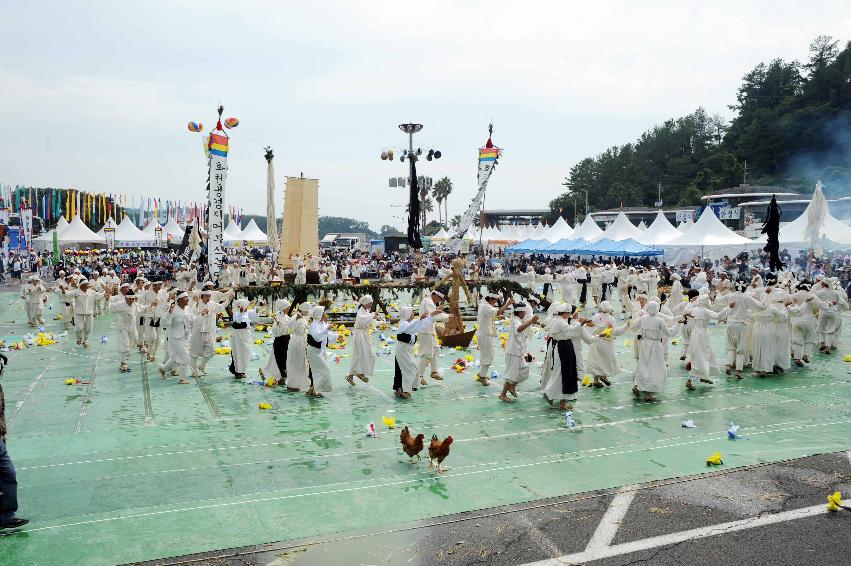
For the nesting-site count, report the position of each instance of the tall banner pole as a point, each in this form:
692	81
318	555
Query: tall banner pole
271	220
218	149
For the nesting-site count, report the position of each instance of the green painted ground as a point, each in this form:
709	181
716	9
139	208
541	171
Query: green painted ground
131	467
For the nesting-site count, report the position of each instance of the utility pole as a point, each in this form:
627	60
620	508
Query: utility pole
745	180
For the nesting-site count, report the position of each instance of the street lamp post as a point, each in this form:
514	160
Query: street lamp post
416	194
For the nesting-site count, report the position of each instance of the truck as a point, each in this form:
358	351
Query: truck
345	242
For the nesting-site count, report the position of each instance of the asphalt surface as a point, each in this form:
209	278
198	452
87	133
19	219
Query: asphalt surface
554	529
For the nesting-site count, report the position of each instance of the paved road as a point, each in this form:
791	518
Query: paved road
770	514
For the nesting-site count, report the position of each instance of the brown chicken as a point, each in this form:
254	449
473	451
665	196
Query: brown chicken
438	451
412	445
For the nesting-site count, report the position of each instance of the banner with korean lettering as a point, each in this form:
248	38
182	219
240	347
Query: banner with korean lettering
216	200
27	225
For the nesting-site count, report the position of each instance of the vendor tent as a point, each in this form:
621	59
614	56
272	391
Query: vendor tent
559	230
566	246
618	248
660	231
685	226
233	229
173	229
709	239
128	234
441	235
833	234
642	226
620	229
151	227
528	246
110	223
588	230
253	234
78	233
62	224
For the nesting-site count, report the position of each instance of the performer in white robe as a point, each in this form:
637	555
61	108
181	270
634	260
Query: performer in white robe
35	296
568	332
602	362
428	336
828	317
567	285
319	335
298	370
240	338
363	358
276	367
739	305
517	356
125	323
486	333
178	327
702	362
803	324
651	371
155	304
763	341
84	310
202	343
405	374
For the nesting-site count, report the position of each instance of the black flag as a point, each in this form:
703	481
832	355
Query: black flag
772	229
414	210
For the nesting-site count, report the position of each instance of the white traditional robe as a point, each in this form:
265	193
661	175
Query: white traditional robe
297	366
363	358
651	371
320	332
240	340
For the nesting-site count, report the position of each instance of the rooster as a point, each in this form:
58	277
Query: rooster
438	451
412	445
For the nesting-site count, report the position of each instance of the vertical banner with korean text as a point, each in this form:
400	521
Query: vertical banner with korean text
27	225
109	235
216	201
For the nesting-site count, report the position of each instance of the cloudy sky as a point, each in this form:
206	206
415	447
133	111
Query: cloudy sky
96	95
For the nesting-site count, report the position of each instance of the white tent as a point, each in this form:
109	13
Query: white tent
233	229
833	233
660	231
61	225
151	227
110	223
709	239
642	226
620	229
560	230
588	230
78	233
685	226
441	235
128	233
173	229
253	233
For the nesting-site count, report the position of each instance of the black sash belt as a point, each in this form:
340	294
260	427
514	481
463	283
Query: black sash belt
583	295
312	342
405	337
155	324
240	325
279	348
567	357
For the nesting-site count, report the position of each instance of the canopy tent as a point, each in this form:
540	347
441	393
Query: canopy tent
233	229
78	233
128	234
685	226
833	234
151	227
619	248
642	226
566	246
660	231
538	231
528	246
588	230
709	239
110	223
441	235
620	229
252	233
559	230
173	229
62	224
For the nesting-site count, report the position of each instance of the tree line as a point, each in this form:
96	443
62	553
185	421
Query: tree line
792	127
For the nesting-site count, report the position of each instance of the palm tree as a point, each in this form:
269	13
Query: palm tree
443	187
426	206
455	220
438	196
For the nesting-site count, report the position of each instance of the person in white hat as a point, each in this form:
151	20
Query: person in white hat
651	371
154	306
64	286
829	316
517	356
34	295
84	310
298	371
240	338
567	332
300	274
405	370
202	342
486	332
738	306
141	332
125	325
319	335
428	335
276	367
178	327
602	362
363	359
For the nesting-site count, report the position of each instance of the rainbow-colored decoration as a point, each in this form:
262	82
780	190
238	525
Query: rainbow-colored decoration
488	154
219	145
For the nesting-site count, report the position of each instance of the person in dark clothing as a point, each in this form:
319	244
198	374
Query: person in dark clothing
8	479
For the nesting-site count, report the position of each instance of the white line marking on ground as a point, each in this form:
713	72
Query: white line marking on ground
589	554
611	521
28	392
538	537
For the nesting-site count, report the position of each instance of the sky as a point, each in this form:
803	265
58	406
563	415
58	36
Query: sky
96	95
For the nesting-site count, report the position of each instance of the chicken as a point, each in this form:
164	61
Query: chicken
412	445
438	451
